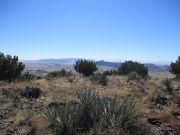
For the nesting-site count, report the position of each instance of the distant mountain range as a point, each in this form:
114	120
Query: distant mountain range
67	61
56	64
150	66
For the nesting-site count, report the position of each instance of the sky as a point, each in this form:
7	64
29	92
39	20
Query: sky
116	30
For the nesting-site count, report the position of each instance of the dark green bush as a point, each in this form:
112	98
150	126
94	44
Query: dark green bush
85	67
130	66
175	67
10	68
31	92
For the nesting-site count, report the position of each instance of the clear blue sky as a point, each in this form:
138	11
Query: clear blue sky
142	30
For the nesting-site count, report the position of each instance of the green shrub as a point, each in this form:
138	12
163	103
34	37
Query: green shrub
175	67
85	67
99	78
10	68
130	66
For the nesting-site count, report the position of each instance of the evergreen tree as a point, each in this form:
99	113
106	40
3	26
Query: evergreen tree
130	66
175	67
85	67
10	68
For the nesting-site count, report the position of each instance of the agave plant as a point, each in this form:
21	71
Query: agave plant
63	118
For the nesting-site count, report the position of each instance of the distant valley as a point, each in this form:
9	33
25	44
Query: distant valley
47	65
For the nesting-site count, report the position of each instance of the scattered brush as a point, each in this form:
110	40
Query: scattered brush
100	79
27	77
111	72
57	74
168	84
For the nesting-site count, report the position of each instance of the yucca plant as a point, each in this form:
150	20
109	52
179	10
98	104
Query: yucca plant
88	100
93	113
117	114
128	114
63	118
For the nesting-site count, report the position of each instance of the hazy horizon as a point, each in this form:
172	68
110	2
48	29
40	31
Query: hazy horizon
106	60
114	30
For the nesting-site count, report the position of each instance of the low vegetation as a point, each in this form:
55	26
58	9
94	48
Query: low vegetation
94	113
99	78
130	66
27	77
61	73
168	84
133	76
111	72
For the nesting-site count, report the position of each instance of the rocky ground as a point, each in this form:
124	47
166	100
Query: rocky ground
23	115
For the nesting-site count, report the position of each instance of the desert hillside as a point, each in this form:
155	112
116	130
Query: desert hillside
21	115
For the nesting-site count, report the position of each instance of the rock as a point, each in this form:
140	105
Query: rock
157	118
39	122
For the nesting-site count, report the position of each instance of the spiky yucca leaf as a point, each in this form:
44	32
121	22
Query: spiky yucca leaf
62	118
88	100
